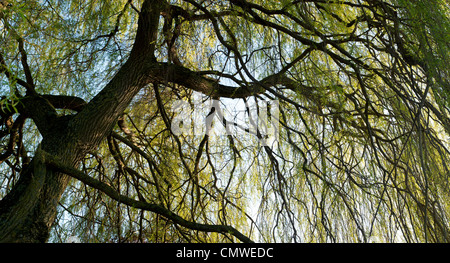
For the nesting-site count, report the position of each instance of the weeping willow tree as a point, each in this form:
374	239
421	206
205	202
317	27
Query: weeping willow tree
359	93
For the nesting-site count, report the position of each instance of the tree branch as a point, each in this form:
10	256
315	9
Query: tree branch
165	72
11	77
66	102
57	165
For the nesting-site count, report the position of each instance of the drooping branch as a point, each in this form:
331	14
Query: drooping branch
29	84
12	78
54	163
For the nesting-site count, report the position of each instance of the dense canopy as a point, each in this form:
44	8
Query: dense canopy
224	121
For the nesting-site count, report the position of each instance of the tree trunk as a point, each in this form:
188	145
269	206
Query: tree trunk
28	211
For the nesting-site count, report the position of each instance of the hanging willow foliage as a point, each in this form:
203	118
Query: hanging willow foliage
116	99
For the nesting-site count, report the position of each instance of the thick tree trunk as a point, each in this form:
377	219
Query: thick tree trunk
16	207
29	210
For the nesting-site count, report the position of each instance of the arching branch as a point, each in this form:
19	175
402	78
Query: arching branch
57	165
